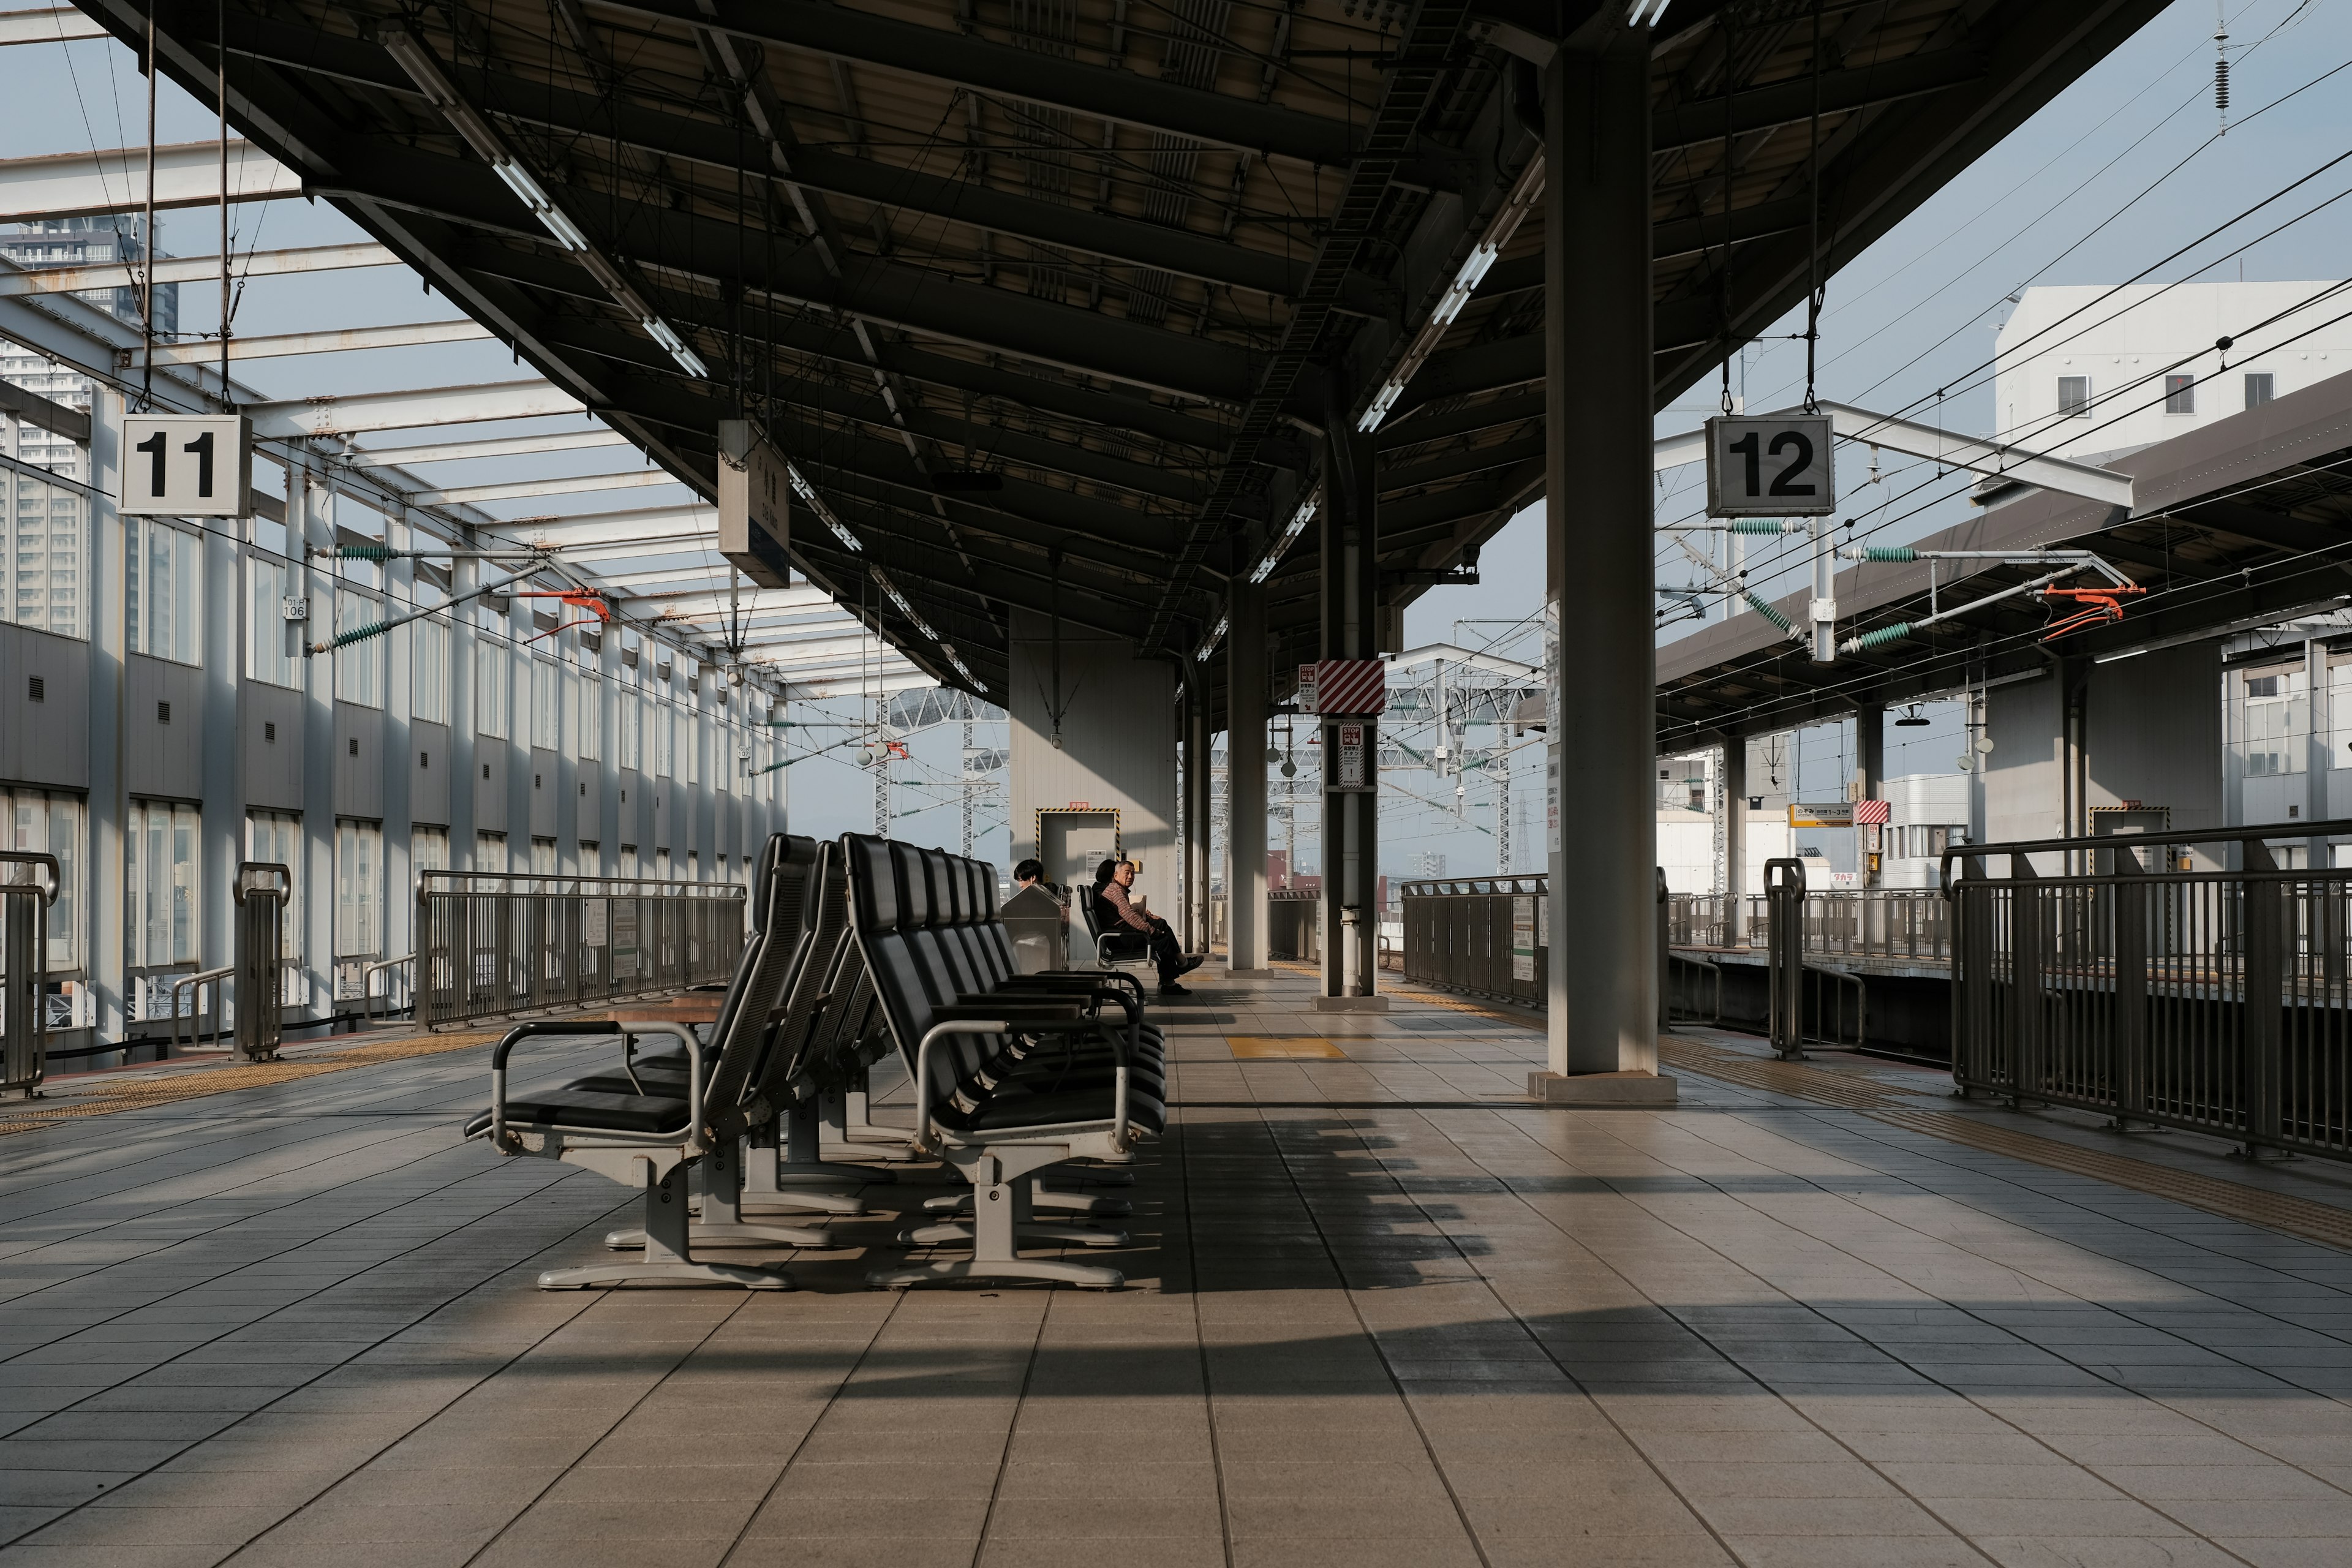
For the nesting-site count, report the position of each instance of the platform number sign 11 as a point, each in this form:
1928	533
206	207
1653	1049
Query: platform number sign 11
187	465
1777	465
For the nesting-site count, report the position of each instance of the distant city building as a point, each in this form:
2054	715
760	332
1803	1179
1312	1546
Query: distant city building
2090	370
44	540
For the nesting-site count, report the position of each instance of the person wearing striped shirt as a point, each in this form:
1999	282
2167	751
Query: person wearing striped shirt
1115	908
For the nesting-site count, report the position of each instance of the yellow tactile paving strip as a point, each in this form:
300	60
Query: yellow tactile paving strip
1284	1048
200	1080
2296	1217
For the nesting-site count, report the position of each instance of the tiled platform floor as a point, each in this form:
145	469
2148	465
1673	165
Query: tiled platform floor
1380	1314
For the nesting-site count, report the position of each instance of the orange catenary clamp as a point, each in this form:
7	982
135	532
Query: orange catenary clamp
2094	606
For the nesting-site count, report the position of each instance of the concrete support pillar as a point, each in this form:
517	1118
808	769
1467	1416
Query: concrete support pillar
103	871
399	886
1601	787
1869	775
1350	596
1199	733
2316	853
1734	837
311	525
1245	685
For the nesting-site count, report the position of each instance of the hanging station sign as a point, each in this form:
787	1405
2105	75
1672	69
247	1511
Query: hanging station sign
187	465
1820	814
754	505
1772	465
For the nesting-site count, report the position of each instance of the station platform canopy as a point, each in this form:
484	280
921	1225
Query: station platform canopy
2245	523
1048	302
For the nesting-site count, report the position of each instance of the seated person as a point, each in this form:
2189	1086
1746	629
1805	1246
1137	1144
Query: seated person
1031	873
1113	910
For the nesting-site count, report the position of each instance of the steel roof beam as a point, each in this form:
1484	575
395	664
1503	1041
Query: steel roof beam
287	345
519	490
94	184
690	244
331	415
1791	102
606	117
196	269
1011	71
495	447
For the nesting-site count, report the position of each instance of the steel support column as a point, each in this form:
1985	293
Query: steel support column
1245	778
1734	837
1200	729
1600	821
1350	589
1869	775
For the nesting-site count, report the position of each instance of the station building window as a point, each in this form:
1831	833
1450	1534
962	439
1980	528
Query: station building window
359	668
428	668
161	845
2180	394
163	593
44	821
543	858
358	889
2272	717
628	860
493	679
2260	388
44	534
591	857
269	652
546	709
275	838
490	853
2074	398
428	849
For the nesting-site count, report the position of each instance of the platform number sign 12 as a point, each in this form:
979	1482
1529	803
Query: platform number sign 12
187	465
1776	465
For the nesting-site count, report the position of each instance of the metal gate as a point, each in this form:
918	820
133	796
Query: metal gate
23	970
263	888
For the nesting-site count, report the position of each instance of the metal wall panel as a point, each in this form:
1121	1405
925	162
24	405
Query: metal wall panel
359	762
1119	743
588	788
490	764
2155	734
546	780
273	756
44	743
431	763
165	757
2021	773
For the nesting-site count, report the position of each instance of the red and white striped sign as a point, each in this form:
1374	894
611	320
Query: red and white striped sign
1354	686
1869	811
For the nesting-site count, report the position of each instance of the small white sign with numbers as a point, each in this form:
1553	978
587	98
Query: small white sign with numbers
187	465
1774	465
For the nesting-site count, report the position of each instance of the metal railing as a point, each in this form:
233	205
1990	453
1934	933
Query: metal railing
195	1013
385	966
491	945
1903	923
2215	1001
25	969
1292	924
1477	933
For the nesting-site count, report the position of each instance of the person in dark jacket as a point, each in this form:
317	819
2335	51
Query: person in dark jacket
1114	910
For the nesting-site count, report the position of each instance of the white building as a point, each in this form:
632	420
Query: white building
2088	370
1926	812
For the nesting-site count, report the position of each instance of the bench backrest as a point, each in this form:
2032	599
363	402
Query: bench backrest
779	941
912	969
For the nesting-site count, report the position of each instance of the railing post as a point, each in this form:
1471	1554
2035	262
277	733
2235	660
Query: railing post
2264	994
2127	1031
1665	969
1784	920
2027	955
1969	903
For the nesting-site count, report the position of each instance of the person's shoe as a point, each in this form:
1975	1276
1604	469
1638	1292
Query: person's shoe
1194	962
1170	988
